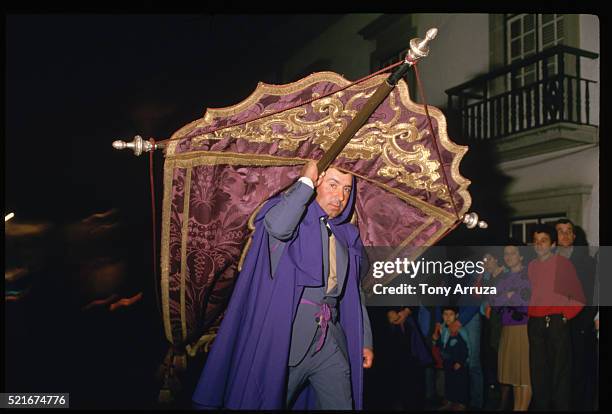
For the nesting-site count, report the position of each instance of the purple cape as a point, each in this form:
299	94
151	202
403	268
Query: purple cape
247	365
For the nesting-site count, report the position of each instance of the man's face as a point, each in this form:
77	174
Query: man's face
449	316
542	244
512	256
565	234
333	192
490	263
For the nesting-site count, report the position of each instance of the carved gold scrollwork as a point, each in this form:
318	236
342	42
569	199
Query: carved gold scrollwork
380	139
376	139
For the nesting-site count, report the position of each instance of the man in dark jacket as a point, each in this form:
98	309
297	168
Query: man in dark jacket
582	328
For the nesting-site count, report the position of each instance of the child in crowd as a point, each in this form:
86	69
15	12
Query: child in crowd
453	342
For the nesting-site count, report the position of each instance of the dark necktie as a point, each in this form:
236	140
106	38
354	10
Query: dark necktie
332	280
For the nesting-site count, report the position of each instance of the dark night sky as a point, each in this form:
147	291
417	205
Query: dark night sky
75	83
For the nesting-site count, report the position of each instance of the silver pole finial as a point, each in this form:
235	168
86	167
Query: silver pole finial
139	145
419	48
471	221
429	36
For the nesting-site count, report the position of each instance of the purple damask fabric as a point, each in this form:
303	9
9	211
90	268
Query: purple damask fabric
402	197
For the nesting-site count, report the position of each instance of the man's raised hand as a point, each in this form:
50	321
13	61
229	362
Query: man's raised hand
310	170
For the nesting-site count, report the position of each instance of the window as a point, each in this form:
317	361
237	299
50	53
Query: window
552	30
551	35
521	229
522	40
528	34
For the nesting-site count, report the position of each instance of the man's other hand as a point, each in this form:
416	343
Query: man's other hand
398	318
392	317
368	357
436	332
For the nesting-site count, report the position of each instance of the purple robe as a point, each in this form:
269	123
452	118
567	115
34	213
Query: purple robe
247	365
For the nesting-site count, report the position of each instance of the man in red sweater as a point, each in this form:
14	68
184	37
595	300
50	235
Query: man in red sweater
556	297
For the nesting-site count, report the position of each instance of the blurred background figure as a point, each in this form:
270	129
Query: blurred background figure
77	314
491	330
96	262
407	356
27	252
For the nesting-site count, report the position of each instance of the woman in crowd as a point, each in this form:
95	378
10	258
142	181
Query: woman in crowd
513	293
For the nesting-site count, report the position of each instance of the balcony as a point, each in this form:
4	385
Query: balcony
536	105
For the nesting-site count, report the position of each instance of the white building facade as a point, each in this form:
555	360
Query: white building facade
528	84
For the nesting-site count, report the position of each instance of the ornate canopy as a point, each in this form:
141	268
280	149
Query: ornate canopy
215	180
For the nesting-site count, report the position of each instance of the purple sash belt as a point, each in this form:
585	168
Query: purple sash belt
324	316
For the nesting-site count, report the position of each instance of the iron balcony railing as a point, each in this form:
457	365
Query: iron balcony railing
540	90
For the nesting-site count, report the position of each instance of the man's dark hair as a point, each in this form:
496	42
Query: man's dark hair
545	228
523	251
497	252
565	221
453	308
581	239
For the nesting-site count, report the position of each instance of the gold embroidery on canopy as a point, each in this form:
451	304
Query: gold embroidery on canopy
415	233
458	151
186	160
290	128
444	216
165	249
192	159
369	142
251	226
